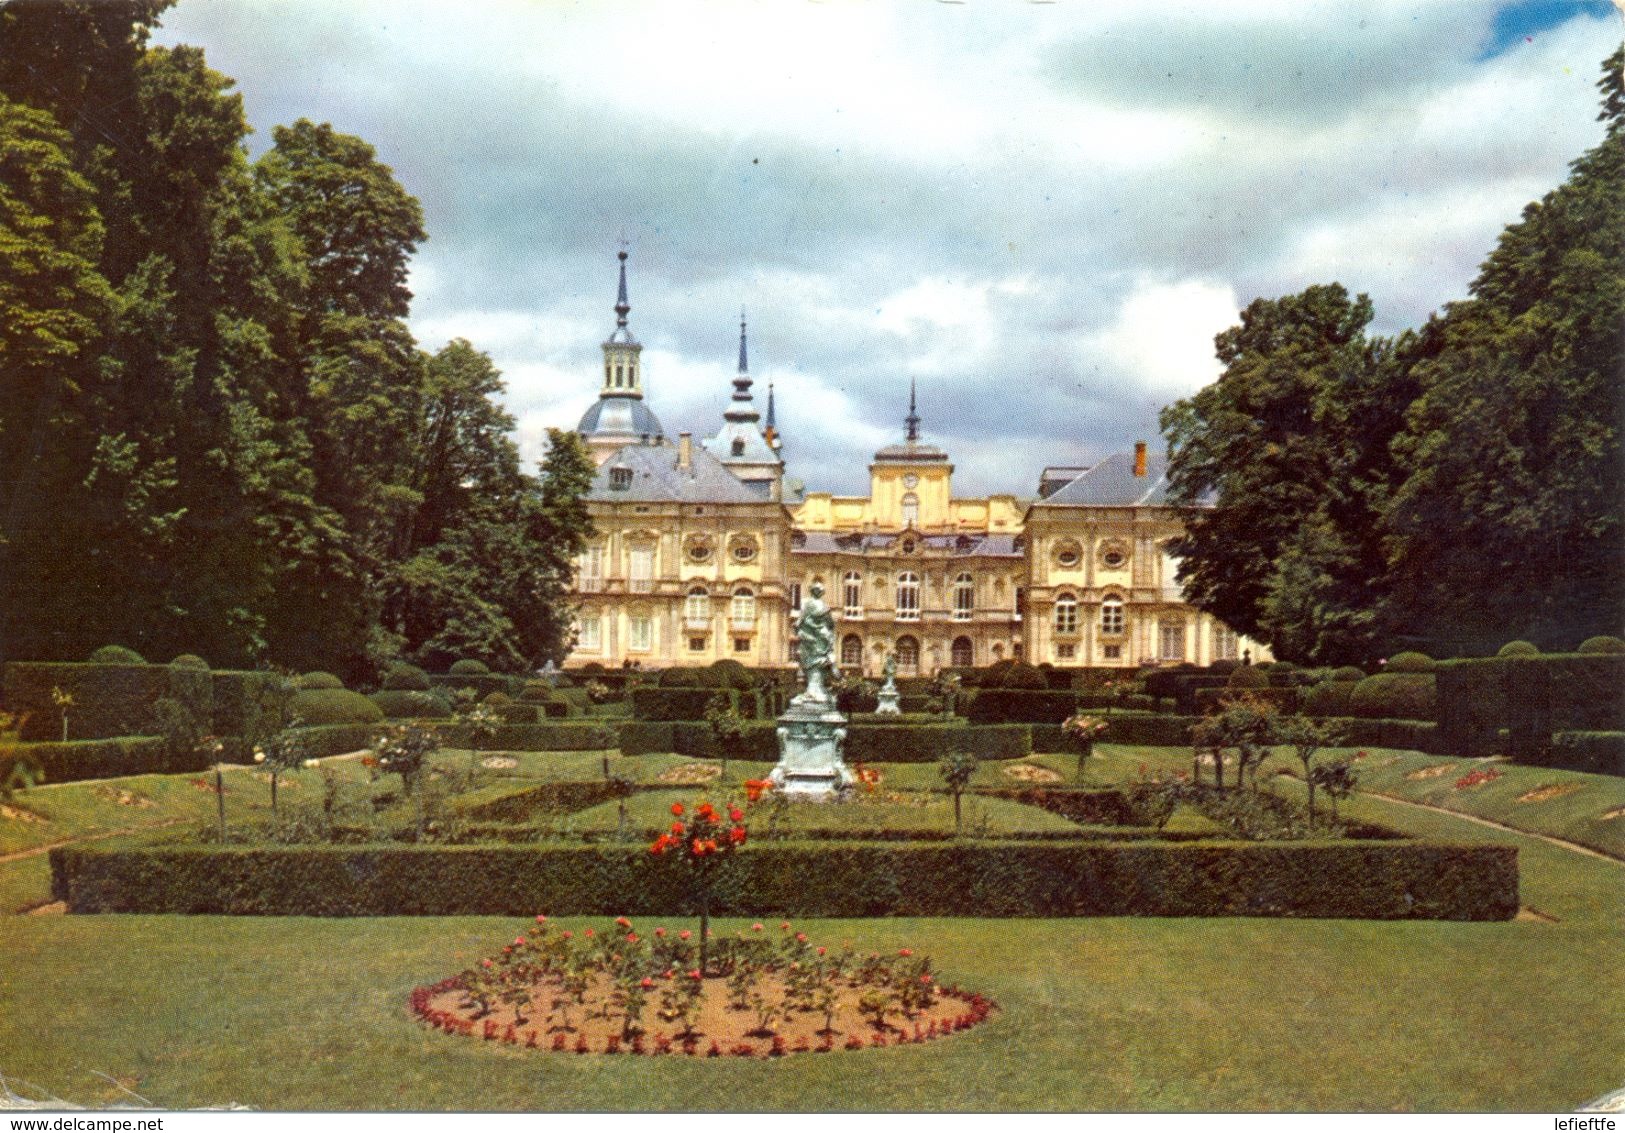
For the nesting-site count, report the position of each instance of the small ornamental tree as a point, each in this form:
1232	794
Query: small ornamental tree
727	728
701	843
1246	724
957	768
1307	737
1084	730
405	749
282	752
1337	779
481	721
63	700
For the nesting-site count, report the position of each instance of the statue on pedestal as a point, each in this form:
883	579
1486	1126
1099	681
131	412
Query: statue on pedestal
815	647
888	691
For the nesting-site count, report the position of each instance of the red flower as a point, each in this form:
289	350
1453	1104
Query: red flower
695	974
485	963
566	934
631	938
541	918
684	935
623	922
735	814
677	808
660	932
757	927
587	932
646	982
905	951
677	828
822	950
784	926
801	938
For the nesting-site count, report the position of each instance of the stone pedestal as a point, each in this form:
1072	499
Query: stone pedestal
887	698
811	735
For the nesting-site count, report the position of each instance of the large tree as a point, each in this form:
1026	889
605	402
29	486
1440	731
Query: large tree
1509	522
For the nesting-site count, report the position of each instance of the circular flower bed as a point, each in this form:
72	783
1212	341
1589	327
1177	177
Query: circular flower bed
1032	773
761	994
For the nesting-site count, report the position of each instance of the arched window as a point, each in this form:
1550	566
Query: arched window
1111	616
963	653
1066	613
908	656
852	594
911	510
743	615
908	600
851	649
739	446
697	608
964	598
998	651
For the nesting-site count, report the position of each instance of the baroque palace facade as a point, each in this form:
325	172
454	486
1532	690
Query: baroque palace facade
704	550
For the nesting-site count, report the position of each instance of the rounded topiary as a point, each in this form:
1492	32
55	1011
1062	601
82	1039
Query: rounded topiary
1015	675
333	706
1519	649
189	661
1395	696
116	655
1602	643
402	677
1347	673
410	704
469	667
536	692
1248	676
1329	698
732	674
683	676
519	713
498	699
1278	667
1224	666
317	679
1411	662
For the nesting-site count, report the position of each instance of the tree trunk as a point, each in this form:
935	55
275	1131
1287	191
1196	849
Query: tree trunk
1309	779
273	792
956	812
1218	768
220	801
1086	748
705	926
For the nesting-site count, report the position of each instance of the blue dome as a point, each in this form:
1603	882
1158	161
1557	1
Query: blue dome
614	416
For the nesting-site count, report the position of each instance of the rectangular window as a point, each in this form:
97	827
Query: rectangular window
1066	652
1171	640
795	597
1111	617
741	645
1066	616
639	632
696	645
744	611
1112	652
592	569
590	635
1224	644
643	569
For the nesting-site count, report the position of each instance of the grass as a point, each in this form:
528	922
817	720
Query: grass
1097	1014
890	811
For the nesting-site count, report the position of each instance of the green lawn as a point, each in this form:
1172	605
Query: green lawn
1098	1014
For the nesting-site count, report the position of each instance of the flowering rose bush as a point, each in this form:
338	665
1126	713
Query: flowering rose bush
592	991
702	842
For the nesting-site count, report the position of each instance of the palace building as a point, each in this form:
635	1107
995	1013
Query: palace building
704	549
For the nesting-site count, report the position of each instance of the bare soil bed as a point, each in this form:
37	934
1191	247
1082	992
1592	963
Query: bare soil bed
715	1028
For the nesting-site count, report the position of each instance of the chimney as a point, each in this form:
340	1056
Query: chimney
1139	458
685	451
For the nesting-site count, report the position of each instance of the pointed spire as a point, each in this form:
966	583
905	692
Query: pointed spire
744	365
621	305
770	428
913	418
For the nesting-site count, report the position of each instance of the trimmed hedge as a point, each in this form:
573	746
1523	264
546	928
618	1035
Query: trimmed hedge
912	743
247	702
317	706
1602	753
1089	807
1212	700
337	739
1407	735
469	667
1532	698
1148	731
482	684
317	679
1329	698
506	802
688	703
1021	706
403	677
404	704
108	700
1396	696
549	736
1381	880
116	655
103	759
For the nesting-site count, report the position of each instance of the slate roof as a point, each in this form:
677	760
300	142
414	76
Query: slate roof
616	416
1112	483
657	479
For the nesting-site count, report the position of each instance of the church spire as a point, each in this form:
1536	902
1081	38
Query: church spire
913	418
621	350
622	307
743	407
770	427
744	365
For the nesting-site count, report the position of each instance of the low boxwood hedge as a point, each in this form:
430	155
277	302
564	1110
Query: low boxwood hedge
1383	880
865	742
549	736
1600	752
337	739
483	684
1211	700
100	759
108	699
510	802
1021	706
688	703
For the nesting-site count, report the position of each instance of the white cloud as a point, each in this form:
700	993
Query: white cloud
1161	339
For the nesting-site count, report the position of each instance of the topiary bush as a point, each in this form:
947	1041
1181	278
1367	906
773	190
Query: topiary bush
1329	698
318	680
1602	643
1248	676
402	677
411	704
1014	675
1410	662
498	700
1519	649
333	706
536	692
1395	696
116	655
469	667
1347	673
731	674
190	661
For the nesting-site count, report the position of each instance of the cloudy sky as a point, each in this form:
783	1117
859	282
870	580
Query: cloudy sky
1042	212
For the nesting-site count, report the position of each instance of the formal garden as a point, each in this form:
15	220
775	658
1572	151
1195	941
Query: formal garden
473	866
